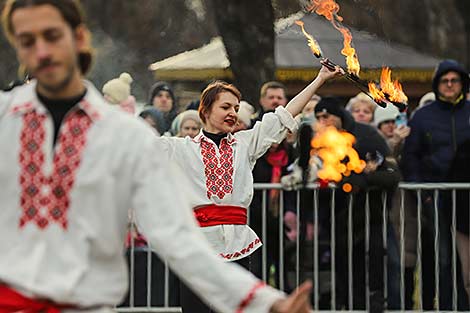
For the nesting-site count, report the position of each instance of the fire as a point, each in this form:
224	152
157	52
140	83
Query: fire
335	149
312	43
388	91
376	92
329	9
393	90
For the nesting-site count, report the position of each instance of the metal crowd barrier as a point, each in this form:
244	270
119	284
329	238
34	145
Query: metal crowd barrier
326	280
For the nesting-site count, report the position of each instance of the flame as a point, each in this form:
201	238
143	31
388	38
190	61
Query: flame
388	91
312	43
329	9
335	149
393	90
376	92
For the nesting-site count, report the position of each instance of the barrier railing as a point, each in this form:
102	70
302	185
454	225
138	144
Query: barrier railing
416	209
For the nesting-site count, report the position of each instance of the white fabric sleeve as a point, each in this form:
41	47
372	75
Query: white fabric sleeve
271	129
166	220
4	102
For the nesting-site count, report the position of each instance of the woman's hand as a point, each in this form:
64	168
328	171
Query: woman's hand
326	73
297	302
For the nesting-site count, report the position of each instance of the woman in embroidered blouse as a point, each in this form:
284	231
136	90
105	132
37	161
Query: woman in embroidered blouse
219	166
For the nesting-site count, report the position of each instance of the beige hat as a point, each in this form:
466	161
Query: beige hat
426	99
118	89
245	113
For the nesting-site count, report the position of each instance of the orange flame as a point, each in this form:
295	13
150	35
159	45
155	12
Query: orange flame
376	92
393	89
312	43
389	90
335	149
329	9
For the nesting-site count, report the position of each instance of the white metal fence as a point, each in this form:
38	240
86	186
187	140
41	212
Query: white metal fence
414	215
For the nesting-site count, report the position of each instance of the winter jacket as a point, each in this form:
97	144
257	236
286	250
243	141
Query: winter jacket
436	131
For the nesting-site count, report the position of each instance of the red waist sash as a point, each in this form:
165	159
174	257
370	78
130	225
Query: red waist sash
12	301
212	215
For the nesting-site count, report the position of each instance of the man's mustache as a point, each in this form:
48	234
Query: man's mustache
45	63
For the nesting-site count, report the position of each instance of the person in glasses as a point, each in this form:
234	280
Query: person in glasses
436	131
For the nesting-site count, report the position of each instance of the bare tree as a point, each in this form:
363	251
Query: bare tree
247	30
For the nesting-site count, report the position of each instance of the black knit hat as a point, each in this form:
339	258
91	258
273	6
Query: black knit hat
160	86
331	105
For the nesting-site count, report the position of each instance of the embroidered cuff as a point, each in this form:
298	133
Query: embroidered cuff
287	119
260	298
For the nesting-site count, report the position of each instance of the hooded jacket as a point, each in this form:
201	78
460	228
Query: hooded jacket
436	131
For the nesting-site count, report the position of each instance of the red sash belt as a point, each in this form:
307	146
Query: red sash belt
12	301
211	215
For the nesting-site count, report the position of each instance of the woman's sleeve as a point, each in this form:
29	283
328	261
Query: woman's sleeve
271	129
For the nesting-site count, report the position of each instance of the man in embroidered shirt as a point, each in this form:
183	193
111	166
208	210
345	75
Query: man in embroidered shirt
74	165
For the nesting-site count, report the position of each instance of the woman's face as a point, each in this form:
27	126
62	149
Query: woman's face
362	112
163	101
189	128
222	117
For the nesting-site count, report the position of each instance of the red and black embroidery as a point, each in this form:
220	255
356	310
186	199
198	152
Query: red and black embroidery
218	170
45	199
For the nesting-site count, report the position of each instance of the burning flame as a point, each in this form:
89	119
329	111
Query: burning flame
329	9
376	92
312	43
335	149
389	90
393	89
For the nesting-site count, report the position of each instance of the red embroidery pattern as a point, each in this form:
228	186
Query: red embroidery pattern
45	199
230	256
249	297
218	171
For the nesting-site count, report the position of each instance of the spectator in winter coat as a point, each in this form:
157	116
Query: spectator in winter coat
163	99
437	129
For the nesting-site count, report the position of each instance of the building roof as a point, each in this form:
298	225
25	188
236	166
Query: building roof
294	60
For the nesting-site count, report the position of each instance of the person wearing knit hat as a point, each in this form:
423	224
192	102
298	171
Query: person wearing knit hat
162	98
245	113
426	99
188	124
118	91
330	112
384	120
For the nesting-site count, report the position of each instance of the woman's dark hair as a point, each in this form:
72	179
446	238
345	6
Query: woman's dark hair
71	11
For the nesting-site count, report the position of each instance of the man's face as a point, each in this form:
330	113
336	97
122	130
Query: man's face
274	97
450	86
163	101
47	46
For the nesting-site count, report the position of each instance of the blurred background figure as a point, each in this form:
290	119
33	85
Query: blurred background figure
154	118
118	91
308	115
426	99
272	95
437	130
362	108
162	98
187	123
245	112
385	119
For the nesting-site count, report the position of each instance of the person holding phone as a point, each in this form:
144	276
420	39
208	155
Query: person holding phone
392	125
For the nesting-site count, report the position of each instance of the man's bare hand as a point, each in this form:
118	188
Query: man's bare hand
297	302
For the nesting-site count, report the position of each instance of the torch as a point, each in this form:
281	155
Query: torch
379	96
